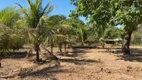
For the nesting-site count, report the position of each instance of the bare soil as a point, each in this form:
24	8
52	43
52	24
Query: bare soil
84	64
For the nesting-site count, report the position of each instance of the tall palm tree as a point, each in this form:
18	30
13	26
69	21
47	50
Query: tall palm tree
35	17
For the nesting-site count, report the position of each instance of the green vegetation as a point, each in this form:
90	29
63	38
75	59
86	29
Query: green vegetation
33	25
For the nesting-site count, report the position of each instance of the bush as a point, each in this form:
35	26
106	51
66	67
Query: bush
10	40
137	38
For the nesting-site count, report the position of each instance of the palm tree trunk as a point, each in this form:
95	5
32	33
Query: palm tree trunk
82	43
103	45
37	55
1	57
51	48
127	40
60	47
65	46
0	63
52	45
36	47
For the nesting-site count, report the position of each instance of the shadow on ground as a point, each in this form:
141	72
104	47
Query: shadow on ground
136	55
74	52
79	62
15	55
46	72
111	50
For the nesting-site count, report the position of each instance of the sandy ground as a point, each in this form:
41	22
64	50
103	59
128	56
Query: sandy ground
87	64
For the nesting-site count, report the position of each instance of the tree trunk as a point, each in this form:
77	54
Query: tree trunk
103	44
127	40
37	55
52	45
36	47
60	47
0	63
65	46
1	57
51	48
82	43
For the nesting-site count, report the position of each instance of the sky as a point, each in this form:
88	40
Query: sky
62	7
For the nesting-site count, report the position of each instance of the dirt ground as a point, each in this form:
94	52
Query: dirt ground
85	64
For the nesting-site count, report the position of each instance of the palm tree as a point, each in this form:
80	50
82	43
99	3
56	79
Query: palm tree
79	29
62	30
57	22
35	19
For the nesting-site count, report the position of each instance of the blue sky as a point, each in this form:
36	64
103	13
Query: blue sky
61	6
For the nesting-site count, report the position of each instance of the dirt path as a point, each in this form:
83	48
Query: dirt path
93	64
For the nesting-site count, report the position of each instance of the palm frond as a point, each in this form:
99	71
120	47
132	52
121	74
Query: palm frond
30	3
47	9
23	10
19	5
50	9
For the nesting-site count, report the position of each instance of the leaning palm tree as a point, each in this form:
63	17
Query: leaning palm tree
35	19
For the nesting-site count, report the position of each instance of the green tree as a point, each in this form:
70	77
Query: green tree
96	12
113	12
35	19
129	14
